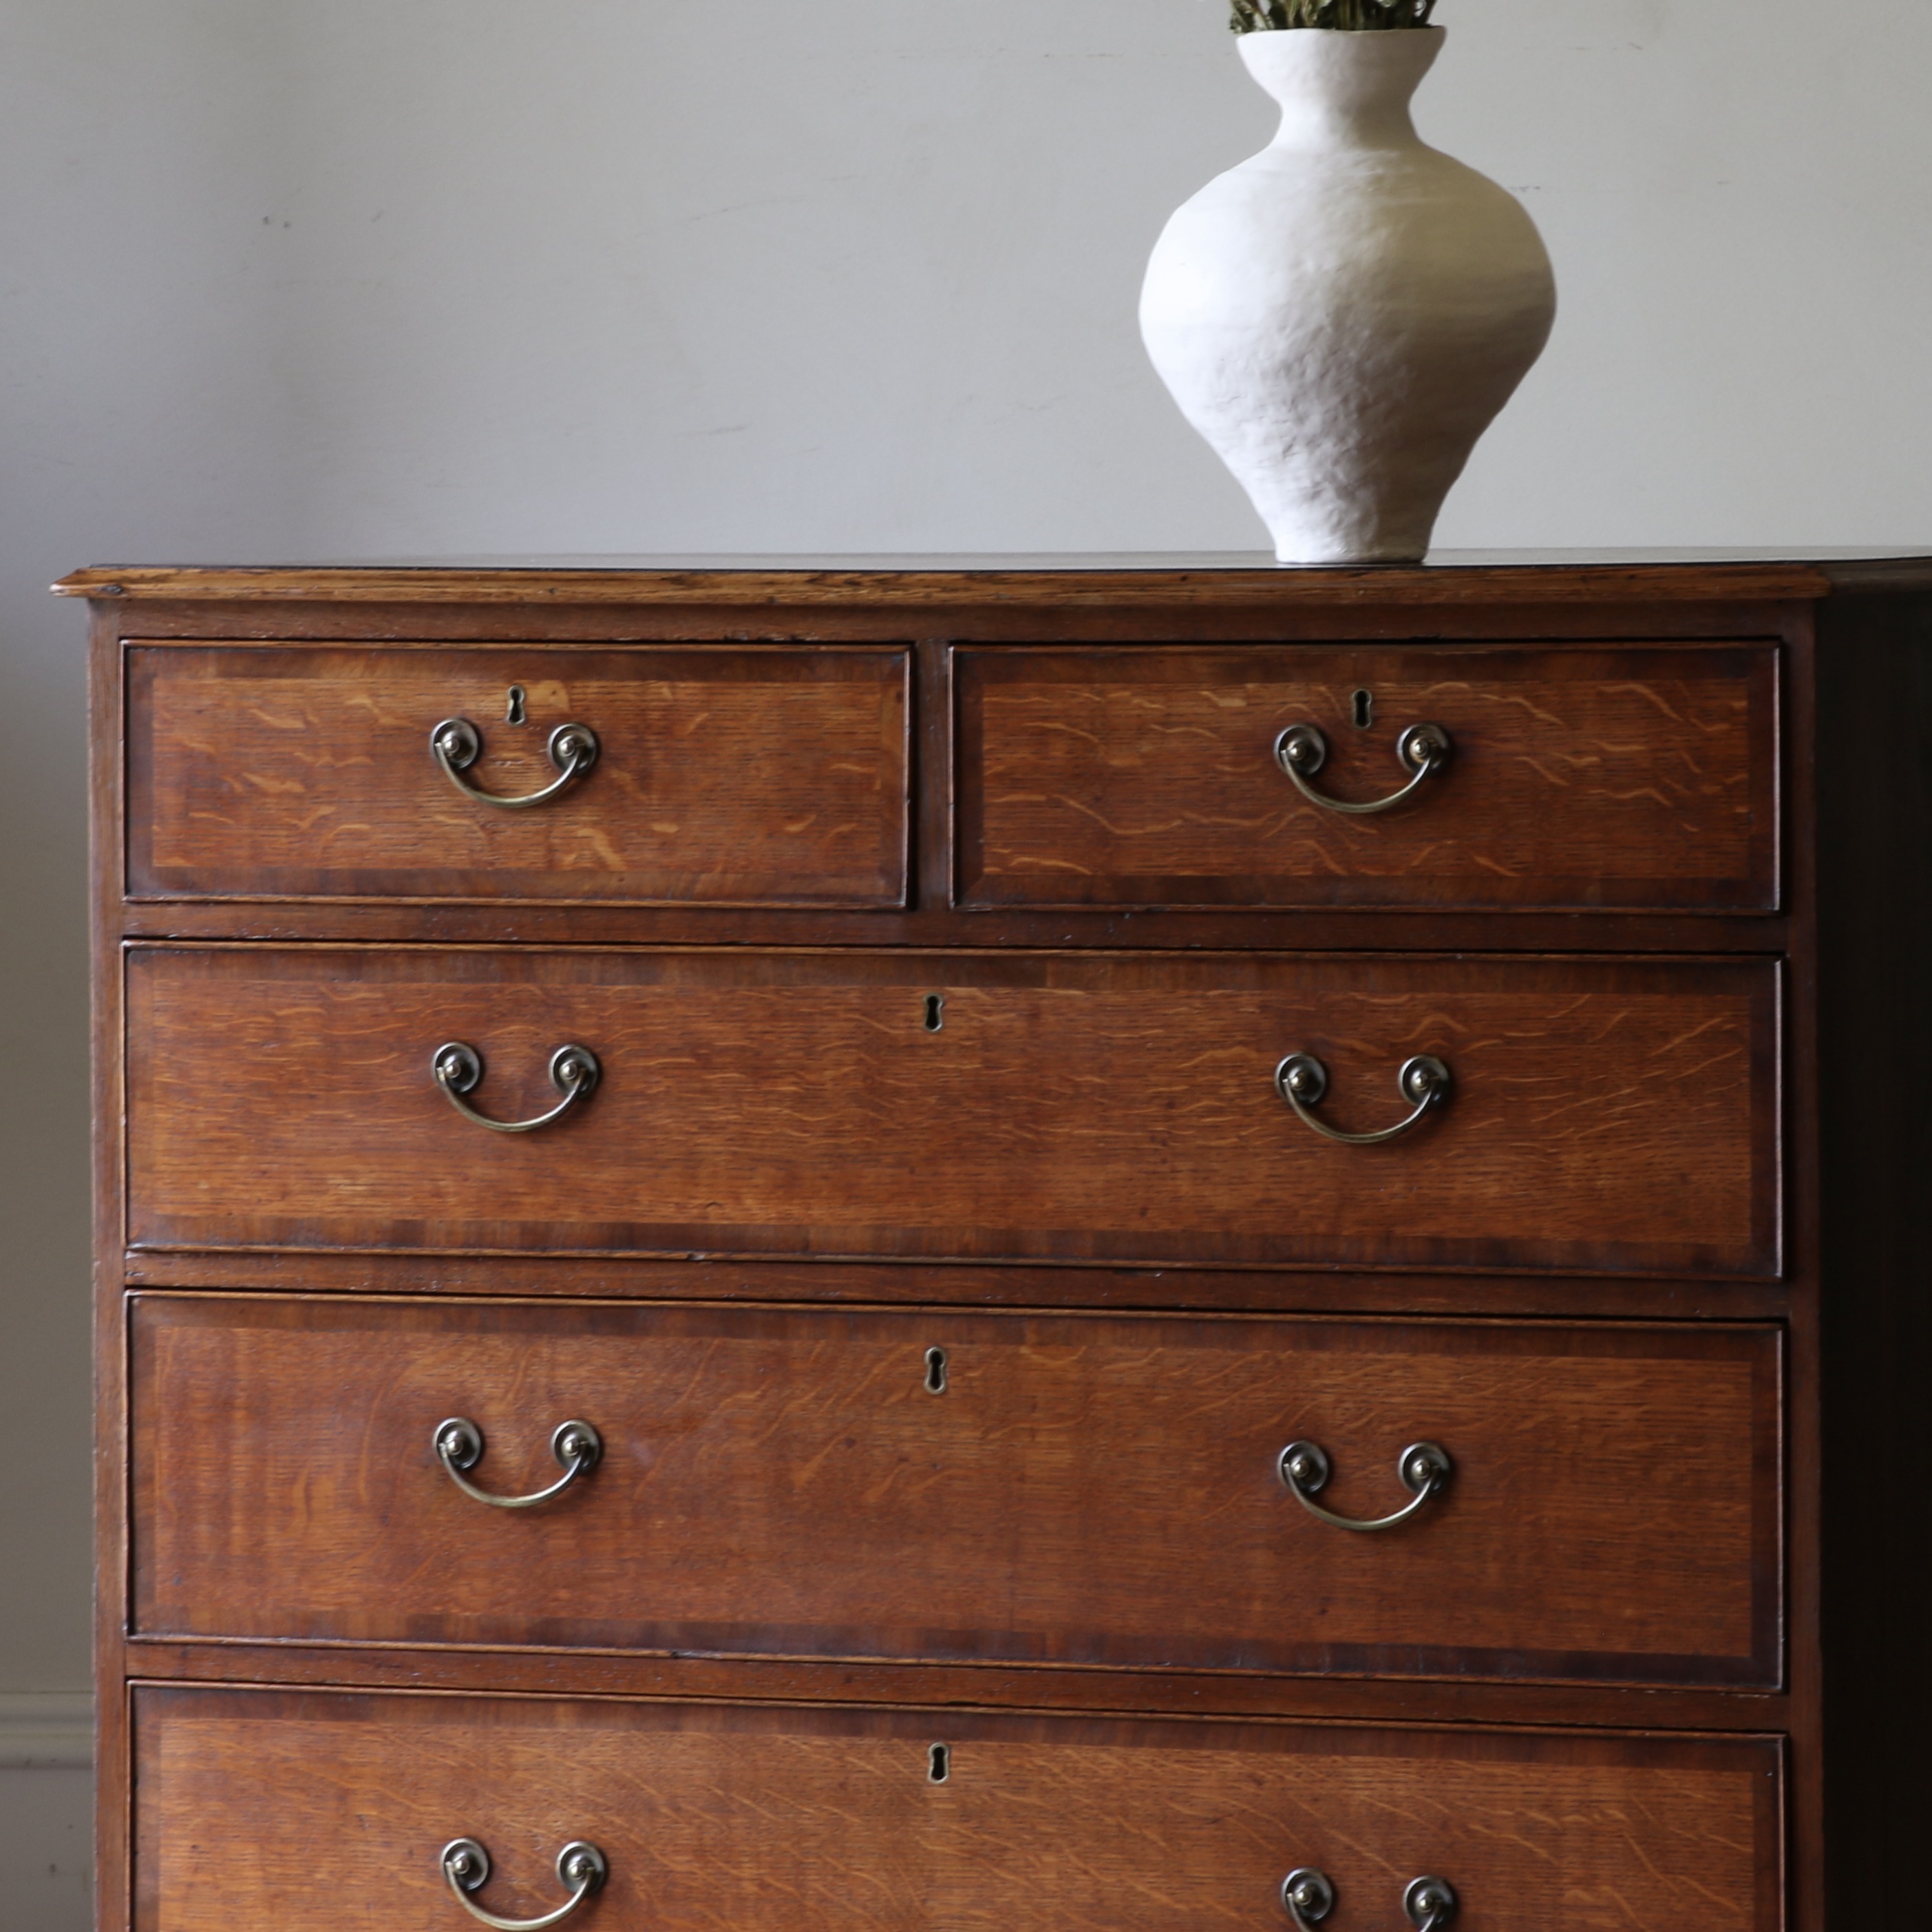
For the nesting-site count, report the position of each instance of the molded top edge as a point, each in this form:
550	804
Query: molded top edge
1473	576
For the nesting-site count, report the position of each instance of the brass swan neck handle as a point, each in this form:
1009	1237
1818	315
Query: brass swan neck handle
459	1448
1308	1896
1423	1081
465	1865
1422	750
456	745
457	1067
1424	1468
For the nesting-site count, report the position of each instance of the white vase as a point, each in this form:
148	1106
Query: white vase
1342	316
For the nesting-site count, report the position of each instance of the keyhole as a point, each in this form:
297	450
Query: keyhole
935	1372
1364	704
938	1764
935	1012
513	711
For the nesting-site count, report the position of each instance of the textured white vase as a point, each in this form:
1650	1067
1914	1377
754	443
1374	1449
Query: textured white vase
1342	316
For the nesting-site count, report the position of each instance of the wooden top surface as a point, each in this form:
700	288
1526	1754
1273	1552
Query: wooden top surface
1472	577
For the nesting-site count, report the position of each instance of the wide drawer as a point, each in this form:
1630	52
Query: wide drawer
310	1811
1638	778
723	775
1603	1114
1075	1490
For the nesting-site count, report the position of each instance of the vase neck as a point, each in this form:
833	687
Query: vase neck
1342	90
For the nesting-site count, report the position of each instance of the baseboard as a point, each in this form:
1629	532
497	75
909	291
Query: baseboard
51	1730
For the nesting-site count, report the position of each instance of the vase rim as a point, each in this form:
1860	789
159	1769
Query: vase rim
1346	33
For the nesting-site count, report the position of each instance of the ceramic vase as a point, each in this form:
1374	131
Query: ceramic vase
1343	316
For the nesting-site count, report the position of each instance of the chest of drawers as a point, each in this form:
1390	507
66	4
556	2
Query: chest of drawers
830	1247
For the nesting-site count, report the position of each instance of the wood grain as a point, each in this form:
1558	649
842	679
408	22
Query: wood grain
1635	779
911	582
1086	1491
726	777
1271	1230
311	1810
113	1767
1111	614
1073	1108
328	1664
559	922
1160	1288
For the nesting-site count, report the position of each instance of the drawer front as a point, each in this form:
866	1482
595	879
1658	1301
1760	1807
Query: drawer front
1076	1490
1604	1115
1631	779
1108	1108
310	1811
723	776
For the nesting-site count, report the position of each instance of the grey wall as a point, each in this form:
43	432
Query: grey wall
406	276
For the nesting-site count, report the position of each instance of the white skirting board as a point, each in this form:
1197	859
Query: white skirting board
47	1807
45	1730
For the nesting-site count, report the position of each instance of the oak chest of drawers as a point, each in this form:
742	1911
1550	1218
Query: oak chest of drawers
1013	1246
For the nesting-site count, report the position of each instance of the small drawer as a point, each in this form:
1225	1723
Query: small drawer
1627	780
1604	1504
720	776
309	1811
1576	1114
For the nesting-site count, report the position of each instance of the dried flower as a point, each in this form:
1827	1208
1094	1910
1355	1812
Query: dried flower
1353	16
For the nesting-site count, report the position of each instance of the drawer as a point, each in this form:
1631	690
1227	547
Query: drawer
723	776
313	1810
1633	779
1081	1490
1603	1115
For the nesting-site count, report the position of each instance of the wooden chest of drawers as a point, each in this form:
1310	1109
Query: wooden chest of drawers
1080	1330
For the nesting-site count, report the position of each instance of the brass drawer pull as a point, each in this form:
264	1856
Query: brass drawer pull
466	1864
456	745
1430	1904
457	1068
1309	1896
1425	1469
1301	1080
459	1448
1301	750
